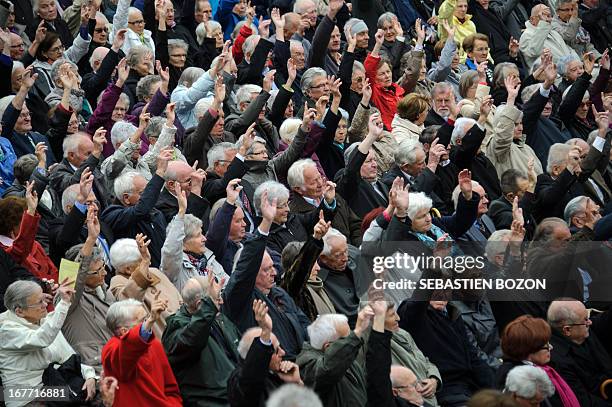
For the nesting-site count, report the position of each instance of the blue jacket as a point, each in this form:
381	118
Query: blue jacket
23	143
228	19
7	160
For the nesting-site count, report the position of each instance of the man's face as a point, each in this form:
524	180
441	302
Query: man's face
369	168
265	277
24	122
363	39
310	14
547	109
220	167
442	101
73	124
565	11
580	217
518	130
313	183
240	8
578	331
17	78
119	110
319	87
259	153
483	204
480	51
574	70
136	22
392	320
418	166
484	3
47	10
203	11
334	40
297	53
238	226
85	149
132	198
407	387
338	255
169	14
217	130
17	47
341	131
282	211
100	35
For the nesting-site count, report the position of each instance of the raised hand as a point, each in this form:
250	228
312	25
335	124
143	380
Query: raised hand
198	177
143	247
309	116
589	62
264	27
163	73
28	78
401	197
334	8
279	22
289	372
513	47
268	80
550	74
233	191
375	126
602	119
436	151
321	105
247	139
93	224
363	320
335	87
66	290
163	158
157	308
604	61
329	192
119	39
321	228
41	32
291	72
85	185
260	309
41	154
31	198
268	209
181	198
351	40
465	184
481	68
214	288
512	86
170	114
99	139
450	29
420	31
366	92
379	36
397	27
485	107
219	90
123	70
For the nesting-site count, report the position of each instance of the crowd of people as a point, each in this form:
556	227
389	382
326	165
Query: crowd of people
221	171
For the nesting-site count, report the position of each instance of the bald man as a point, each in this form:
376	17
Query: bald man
578	351
191	182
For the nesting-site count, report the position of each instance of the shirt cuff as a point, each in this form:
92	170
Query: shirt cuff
267	343
418	47
331	206
240	157
81	207
261	232
144	334
480	126
544	92
598	143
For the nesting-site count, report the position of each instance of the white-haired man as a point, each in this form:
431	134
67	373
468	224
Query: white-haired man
528	385
263	368
330	361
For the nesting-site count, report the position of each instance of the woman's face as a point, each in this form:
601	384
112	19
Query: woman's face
282	211
390	33
195	243
217	34
178	57
518	130
289	110
583	109
55	52
480	52
119	111
17	78
574	70
392	320
73	124
341	131
471	92
357	80
369	168
36	308
145	65
461	9
422	221
383	75
541	357
455	61
96	274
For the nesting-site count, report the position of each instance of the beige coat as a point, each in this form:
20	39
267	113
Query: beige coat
85	325
404	129
503	151
471	109
144	286
384	147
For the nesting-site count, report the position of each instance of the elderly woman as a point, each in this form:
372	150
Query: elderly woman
526	341
184	254
570	67
18	226
30	340
314	85
135	279
172	53
394	46
455	13
193	85
61	78
473	90
140	60
84	327
408	121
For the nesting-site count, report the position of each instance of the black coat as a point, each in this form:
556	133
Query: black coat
11	272
426	182
59	26
198	140
197	206
500	211
94	83
63	176
214	187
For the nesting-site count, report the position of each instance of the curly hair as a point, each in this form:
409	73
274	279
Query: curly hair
12	209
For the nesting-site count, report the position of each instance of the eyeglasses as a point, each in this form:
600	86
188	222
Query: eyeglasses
59	48
24	115
101	270
100	30
283	206
259	152
547	347
588	103
585	323
40	304
319	86
22	45
565	10
179	56
136	22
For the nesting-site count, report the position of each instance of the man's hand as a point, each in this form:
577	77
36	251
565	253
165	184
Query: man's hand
335	87
143	119
99	139
512	86
264	27
366	92
532	176
268	80
309	116
589	62
181	198
162	161
428	387
260	309
420	31
465	184
603	121
604	61
375	126
214	288
41	154
573	161
28	79
85	11
247	140
119	39
329	192
550	74
401	197
268	209
321	105
351	40
363	320
65	290
279	24
93	224
123	70
219	93
170	114
289	372
334	8
85	185
436	151
31	198
485	108
41	32
233	191
198	178
321	228
513	47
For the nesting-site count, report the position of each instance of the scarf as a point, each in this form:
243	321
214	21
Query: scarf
567	396
438	233
77	99
199	261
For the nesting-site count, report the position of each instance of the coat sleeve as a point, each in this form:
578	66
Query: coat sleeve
193	146
123	358
296	277
359	126
573	98
35	339
125	217
499	146
78	49
218	232
532	41
378	368
97	82
320	41
22	245
79	286
166	139
172	250
291	154
249	116
246	386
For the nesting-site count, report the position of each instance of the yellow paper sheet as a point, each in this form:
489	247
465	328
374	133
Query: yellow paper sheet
68	269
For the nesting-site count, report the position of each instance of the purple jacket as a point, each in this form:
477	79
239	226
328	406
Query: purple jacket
309	150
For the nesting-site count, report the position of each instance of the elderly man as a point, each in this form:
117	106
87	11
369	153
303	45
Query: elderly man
262	369
201	344
539	34
314	85
330	361
519	186
223	166
254	278
136	358
443	104
483	228
327	36
528	385
578	352
251	102
594	186
581	215
567	23
256	49
17	47
46	10
135	212
80	152
358	183
132	19
307	186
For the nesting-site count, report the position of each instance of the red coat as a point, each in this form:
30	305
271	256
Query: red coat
142	369
384	98
27	252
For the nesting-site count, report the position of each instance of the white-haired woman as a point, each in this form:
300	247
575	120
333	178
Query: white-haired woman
30	339
210	39
193	85
184	254
84	327
135	279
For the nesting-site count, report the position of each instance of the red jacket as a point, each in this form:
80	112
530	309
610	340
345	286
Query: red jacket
143	371
384	98
27	252
244	33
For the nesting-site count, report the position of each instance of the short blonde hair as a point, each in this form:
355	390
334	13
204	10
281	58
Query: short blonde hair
412	105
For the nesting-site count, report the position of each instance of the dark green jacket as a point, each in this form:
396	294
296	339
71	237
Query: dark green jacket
336	374
200	363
